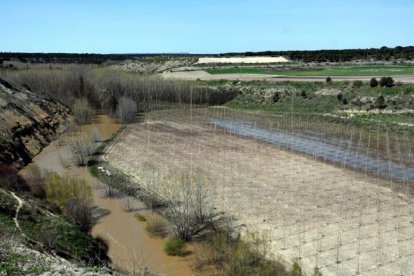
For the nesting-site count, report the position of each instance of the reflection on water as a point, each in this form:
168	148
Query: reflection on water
340	153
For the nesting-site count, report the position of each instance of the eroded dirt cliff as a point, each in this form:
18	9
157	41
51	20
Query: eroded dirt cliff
28	122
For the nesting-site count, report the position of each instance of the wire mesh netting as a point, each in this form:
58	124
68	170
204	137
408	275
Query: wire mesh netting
329	195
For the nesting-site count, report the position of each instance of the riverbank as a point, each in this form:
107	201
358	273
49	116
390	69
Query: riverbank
129	246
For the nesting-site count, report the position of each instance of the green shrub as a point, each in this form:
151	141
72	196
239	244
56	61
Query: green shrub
139	217
386	82
59	190
174	246
296	269
9	264
380	102
73	197
373	82
93	170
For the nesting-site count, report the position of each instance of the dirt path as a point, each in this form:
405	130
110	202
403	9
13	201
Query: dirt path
130	247
20	204
203	75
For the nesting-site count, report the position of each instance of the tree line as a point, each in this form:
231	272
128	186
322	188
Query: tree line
82	89
79	58
377	54
343	55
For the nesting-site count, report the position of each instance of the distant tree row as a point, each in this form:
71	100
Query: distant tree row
83	58
377	54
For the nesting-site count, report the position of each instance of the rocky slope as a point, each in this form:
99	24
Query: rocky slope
156	64
28	122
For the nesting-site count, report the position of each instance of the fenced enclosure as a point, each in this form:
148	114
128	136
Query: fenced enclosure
326	194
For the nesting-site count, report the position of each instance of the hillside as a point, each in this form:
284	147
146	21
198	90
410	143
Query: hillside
28	122
37	240
37	237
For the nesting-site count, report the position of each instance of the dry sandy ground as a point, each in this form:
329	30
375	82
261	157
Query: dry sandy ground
239	60
130	246
343	222
203	75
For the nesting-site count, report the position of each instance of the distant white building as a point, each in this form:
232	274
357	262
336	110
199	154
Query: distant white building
237	60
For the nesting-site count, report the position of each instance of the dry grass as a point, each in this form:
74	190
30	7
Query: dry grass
82	111
221	255
156	226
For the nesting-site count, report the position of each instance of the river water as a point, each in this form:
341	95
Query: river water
130	246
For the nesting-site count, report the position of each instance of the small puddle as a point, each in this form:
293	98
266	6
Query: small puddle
322	150
130	246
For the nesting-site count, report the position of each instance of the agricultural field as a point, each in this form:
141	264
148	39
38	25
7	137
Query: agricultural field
330	196
366	70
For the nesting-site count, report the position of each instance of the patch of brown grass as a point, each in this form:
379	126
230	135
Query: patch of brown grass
221	255
156	226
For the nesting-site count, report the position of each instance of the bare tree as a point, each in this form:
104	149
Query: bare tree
96	135
183	198
35	179
188	210
127	203
150	183
79	211
127	109
81	147
109	183
82	111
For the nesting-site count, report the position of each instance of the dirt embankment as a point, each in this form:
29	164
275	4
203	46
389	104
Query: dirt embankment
28	122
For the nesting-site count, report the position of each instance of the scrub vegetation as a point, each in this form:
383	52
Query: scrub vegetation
58	225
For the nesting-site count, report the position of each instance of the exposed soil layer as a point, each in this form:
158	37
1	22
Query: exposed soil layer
28	122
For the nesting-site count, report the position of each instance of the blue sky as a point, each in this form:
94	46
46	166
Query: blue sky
210	26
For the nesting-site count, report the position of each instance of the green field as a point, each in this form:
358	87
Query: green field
372	70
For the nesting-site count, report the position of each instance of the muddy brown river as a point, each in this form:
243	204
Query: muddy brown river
130	247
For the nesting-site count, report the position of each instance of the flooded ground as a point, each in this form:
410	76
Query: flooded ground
130	247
